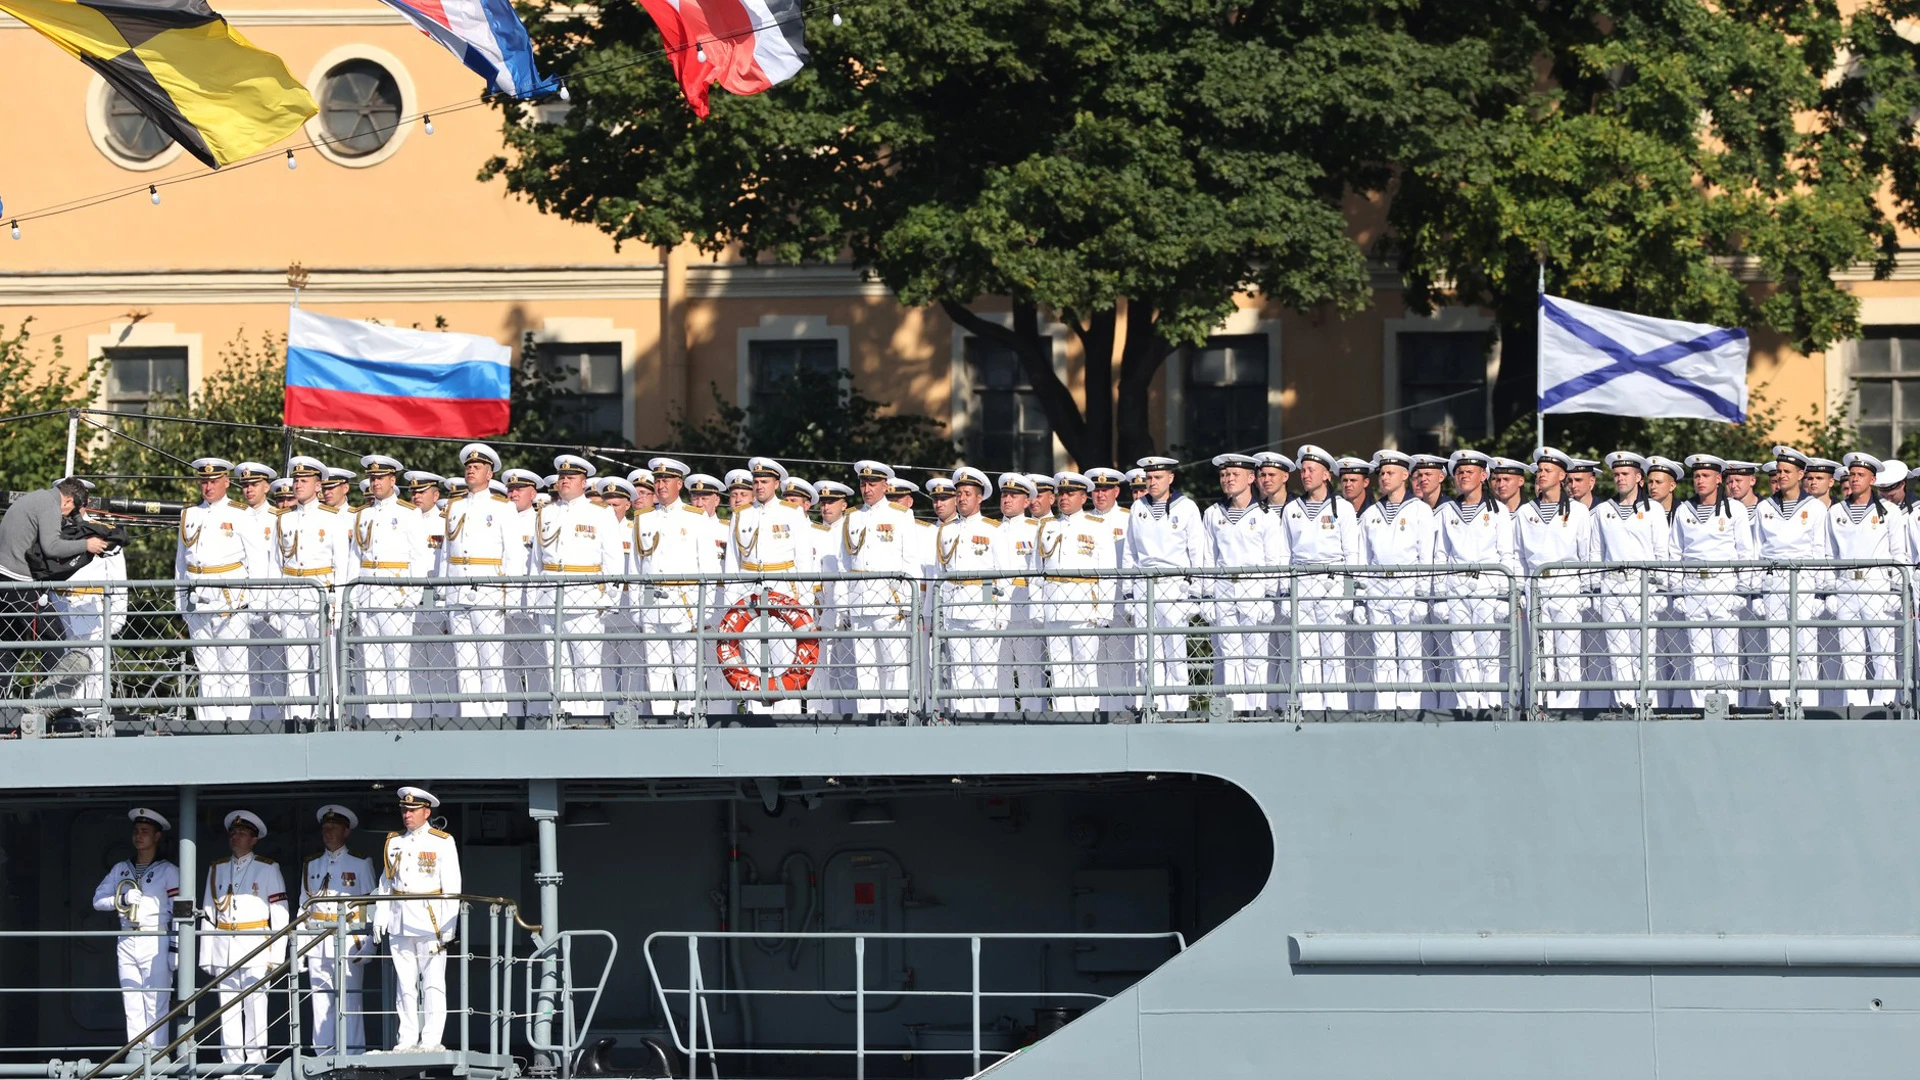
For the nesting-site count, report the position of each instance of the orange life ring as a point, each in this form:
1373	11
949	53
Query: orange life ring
806	651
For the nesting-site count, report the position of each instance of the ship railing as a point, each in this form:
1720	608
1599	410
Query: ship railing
687	1003
1715	636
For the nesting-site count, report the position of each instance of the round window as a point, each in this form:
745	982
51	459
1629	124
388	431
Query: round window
130	133
360	107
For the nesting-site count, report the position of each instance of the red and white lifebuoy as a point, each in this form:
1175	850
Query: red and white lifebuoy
806	651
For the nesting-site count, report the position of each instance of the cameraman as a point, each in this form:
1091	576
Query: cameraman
30	539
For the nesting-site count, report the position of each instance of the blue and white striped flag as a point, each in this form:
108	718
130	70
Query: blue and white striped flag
1596	360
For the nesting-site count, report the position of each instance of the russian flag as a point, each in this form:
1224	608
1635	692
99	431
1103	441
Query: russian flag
358	376
487	36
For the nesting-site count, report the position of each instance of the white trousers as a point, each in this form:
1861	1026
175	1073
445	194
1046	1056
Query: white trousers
325	994
880	663
1240	659
580	671
1167	652
303	660
384	666
420	993
1625	644
672	665
222	663
1322	652
486	658
243	1028
87	625
1476	653
1072	651
146	992
1714	651
1557	652
1873	646
969	666
1397	659
1772	603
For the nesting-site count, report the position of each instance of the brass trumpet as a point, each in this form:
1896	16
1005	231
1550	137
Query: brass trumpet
121	904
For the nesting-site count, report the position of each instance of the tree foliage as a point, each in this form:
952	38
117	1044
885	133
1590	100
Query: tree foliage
32	450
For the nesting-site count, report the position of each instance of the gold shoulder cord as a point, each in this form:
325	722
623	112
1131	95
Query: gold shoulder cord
540	527
1047	552
452	531
362	531
946	550
190	540
645	549
287	552
846	536
745	550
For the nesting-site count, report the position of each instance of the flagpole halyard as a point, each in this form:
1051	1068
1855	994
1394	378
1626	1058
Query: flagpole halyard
1539	346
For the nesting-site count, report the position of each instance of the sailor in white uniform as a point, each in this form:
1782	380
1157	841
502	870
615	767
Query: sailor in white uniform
246	898
576	539
1166	533
977	564
313	546
1788	527
142	890
1709	528
1244	535
1119	671
1322	532
767	539
1629	528
1551	529
1020	657
1074	550
422	862
335	978
482	539
529	664
1866	527
881	543
266	664
1397	529
389	541
1473	529
673	550
212	551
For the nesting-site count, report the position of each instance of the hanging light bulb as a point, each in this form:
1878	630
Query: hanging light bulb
564	96
153	194
836	14
429	125
16	230
291	162
700	53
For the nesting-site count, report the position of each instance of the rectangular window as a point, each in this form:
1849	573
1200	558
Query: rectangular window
1226	395
587	405
1443	389
771	365
140	376
1886	385
1006	427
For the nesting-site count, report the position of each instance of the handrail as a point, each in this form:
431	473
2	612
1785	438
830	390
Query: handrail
560	947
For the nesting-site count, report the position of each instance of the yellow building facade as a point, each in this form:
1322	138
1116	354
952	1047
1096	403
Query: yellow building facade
396	228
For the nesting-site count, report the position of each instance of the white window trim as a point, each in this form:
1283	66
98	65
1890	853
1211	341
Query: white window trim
144	335
1450	320
559	331
960	425
316	130
1245	322
98	94
783	328
1843	355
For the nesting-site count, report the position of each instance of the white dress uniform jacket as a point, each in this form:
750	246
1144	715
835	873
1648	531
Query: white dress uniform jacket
335	873
215	541
576	538
972	551
884	542
313	545
1722	532
1256	539
145	963
423	864
1324	533
1544	536
1476	534
1868	594
248	895
482	537
1635	532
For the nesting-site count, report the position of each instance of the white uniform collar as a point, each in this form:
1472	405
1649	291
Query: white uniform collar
242	860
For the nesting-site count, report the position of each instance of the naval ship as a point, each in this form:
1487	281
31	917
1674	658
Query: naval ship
744	884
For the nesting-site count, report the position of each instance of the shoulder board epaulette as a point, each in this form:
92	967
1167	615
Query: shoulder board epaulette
441	835
995	522
451	499
263	860
314	857
644	512
1095	517
393	836
497	497
823	528
278	510
223	862
328	509
361	507
1037	522
236	504
923	524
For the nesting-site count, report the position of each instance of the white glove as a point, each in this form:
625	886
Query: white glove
134	896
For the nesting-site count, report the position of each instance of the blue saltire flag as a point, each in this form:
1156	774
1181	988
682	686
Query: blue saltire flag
1594	359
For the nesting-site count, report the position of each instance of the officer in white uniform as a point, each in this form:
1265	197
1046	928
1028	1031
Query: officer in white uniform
482	539
1629	528
1865	527
1074	548
1790	527
142	890
1322	532
883	545
1474	529
92	602
1119	663
389	541
313	546
1709	528
767	539
246	898
977	565
1551	529
211	554
1243	535
673	550
266	664
1166	533
421	861
331	974
1020	657
1397	529
529	664
576	539
625	655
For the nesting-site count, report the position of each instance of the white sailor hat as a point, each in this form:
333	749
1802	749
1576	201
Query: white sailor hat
1742	468
1822	465
334	810
1468	457
211	468
668	467
832	489
248	471
967	474
520	478
1271	459
573	465
1509	466
1072	481
454	484
338	476
420	479
1788	453
1656	463
1696	462
1016	482
282	486
1350	464
1892	471
641	478
1626	458
366	485
1545	454
1913	475
1137	477
613	485
1041	481
703	484
939	487
542	499
1158	461
1861	460
1102	476
1770	467
246	817
1427	461
1235	461
872	470
739	478
1311	452
151	816
549	480
305	466
597	485
481	452
793	485
1585	466
900	485
766	466
497	486
417	798
1389	457
380	465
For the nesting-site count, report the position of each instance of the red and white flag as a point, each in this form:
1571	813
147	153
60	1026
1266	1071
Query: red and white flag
744	45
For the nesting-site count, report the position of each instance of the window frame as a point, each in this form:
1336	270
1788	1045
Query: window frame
1450	320
592	331
963	407
1901	382
99	97
315	128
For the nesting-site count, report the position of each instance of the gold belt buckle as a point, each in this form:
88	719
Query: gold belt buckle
1859	575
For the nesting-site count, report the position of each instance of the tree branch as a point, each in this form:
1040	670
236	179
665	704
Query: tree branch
1036	359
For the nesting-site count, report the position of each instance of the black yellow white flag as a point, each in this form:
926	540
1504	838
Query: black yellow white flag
180	64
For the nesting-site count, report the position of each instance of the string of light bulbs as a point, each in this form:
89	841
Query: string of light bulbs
424	117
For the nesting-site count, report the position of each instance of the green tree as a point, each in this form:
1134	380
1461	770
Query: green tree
819	420
32	450
1128	166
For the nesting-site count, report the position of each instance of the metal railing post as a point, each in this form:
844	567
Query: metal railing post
975	942
1516	641
938	673
185	923
466	992
326	706
860	1008
1793	643
1643	697
1150	654
557	649
342	965
693	1006
1904	667
105	725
